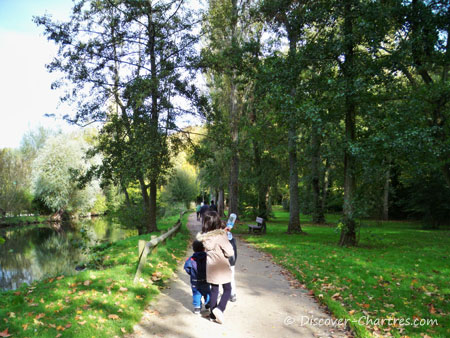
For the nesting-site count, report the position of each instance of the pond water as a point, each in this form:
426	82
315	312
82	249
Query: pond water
35	252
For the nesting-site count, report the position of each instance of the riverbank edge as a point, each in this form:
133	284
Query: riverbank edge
37	220
35	306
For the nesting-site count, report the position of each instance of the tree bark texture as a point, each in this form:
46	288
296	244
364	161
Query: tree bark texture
386	193
221	203
294	210
348	232
317	214
325	185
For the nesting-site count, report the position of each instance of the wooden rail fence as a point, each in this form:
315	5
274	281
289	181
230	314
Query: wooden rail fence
147	247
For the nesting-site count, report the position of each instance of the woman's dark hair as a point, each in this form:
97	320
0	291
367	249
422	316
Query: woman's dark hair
197	246
211	221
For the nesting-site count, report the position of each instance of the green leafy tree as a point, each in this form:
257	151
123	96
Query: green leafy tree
126	59
54	175
14	192
181	188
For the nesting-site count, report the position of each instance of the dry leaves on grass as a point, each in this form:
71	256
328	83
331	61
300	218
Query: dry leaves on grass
113	317
5	333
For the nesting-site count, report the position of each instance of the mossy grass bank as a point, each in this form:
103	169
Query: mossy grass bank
99	302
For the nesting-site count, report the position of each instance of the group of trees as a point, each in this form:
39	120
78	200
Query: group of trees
41	176
128	65
346	103
321	105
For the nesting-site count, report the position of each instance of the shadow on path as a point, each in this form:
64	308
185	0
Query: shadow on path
267	306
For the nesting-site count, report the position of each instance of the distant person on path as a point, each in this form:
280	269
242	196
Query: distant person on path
213	207
197	209
204	209
218	271
195	266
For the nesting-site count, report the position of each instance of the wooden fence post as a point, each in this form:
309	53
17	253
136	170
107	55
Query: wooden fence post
146	247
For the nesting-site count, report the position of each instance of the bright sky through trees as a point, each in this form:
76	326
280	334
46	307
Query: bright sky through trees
25	93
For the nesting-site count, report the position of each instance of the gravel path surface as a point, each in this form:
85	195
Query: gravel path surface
267	305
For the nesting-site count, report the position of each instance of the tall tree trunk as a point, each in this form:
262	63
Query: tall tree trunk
269	202
348	232
325	185
386	193
127	197
151	226
262	201
145	206
261	182
221	203
294	210
317	213
152	215
233	188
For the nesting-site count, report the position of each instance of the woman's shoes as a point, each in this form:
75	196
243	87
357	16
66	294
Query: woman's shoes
218	314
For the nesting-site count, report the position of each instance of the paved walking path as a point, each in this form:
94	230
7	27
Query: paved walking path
267	305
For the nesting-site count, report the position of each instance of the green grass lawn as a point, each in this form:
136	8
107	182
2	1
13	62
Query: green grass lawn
100	302
399	272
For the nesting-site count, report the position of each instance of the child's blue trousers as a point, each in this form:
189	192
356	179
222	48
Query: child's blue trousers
200	290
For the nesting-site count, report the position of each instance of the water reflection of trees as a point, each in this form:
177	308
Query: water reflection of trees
16	256
34	253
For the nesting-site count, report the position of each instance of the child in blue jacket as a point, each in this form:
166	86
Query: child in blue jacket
195	266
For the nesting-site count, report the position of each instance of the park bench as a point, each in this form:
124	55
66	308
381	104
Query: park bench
260	226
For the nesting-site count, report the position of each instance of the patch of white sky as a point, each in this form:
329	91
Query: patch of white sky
25	93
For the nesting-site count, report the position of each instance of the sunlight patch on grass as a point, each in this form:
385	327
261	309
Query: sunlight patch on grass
103	302
398	271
